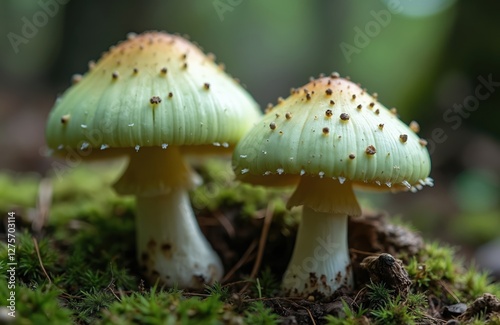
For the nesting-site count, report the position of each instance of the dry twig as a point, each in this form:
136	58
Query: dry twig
241	262
35	242
262	243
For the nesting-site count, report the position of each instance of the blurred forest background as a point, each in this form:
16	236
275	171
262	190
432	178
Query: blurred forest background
437	61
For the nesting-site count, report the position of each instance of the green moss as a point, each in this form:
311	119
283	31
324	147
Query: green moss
164	307
350	317
433	264
394	312
266	285
438	271
220	190
389	309
28	268
37	305
18	190
258	314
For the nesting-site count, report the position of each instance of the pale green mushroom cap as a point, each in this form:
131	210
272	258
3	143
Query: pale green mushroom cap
331	128
152	90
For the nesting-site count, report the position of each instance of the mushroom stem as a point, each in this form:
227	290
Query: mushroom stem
170	245
320	261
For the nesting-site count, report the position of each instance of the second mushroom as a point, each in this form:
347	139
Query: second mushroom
327	138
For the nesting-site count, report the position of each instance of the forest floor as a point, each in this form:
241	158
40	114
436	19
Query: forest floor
75	255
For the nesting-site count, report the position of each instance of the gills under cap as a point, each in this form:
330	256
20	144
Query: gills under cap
332	128
154	89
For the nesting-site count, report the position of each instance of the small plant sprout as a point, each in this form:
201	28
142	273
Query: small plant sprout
156	98
326	151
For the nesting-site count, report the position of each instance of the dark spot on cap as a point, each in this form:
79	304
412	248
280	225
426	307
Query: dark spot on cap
326	130
359	106
377	111
403	138
352	156
308	96
370	150
155	100
332	102
206	85
272	126
353	96
163	71
371	104
170	95
288	115
381	126
65	118
135	71
328	91
114	75
185	65
344	117
328	113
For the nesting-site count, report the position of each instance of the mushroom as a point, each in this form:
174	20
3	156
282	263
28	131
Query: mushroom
156	98
327	147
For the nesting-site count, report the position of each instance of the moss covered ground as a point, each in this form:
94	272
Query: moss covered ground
75	255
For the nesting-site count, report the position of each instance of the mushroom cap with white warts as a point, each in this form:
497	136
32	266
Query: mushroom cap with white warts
332	128
152	90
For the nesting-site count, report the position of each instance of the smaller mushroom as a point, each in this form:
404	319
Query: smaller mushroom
325	173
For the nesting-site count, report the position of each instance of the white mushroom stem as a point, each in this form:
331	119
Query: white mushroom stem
170	245
320	262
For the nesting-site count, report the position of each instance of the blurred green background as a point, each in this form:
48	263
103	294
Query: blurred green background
437	61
